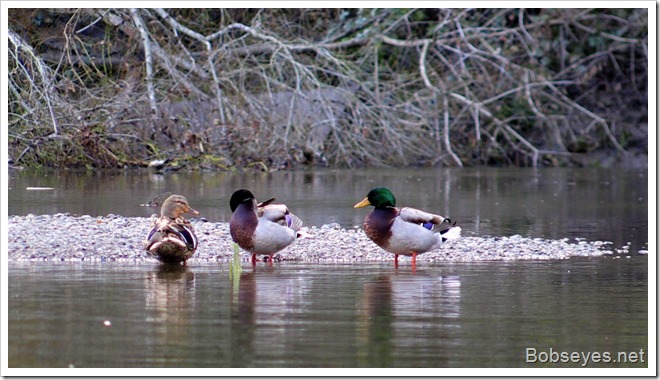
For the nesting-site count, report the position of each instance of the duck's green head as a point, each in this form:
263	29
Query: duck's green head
240	196
380	197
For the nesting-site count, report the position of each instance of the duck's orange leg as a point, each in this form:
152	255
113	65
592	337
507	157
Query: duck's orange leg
396	261
414	260
254	259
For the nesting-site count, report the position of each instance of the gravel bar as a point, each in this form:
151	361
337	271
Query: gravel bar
65	237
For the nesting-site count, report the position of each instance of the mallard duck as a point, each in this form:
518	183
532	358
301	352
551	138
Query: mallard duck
263	228
172	238
406	231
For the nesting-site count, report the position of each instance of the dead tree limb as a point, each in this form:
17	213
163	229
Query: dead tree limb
148	63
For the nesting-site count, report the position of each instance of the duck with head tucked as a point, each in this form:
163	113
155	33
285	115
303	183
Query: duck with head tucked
406	231
172	238
261	228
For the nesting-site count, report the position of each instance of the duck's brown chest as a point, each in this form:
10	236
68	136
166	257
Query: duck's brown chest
241	227
378	225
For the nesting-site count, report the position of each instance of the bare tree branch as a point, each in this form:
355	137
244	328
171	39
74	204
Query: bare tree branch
44	87
147	58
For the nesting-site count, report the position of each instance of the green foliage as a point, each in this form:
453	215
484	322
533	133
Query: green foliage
235	269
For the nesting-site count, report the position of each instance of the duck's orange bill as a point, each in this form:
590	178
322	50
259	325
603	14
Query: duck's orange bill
192	211
363	203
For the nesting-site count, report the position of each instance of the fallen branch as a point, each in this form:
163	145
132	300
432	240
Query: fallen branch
43	88
148	64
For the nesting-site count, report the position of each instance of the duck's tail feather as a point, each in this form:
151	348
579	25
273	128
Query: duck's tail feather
266	203
451	233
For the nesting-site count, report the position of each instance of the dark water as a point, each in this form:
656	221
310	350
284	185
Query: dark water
301	315
305	315
595	204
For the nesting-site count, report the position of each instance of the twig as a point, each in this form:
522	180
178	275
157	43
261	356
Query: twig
445	105
592	115
445	102
99	18
210	55
44	72
505	126
137	20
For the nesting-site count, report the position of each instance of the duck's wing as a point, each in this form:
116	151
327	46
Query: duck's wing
179	229
294	222
155	235
280	214
184	231
413	215
274	213
446	229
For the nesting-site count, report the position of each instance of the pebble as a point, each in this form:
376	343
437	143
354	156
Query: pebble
63	237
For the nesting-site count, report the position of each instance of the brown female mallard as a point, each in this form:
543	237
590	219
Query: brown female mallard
172	238
406	231
261	229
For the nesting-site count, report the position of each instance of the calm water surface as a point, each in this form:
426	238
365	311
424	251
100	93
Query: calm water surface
301	315
305	315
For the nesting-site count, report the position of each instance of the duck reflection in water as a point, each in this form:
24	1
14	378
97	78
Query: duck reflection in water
375	323
404	311
272	298
170	300
243	319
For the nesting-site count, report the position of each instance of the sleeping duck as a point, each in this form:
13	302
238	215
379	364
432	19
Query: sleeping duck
406	231
172	238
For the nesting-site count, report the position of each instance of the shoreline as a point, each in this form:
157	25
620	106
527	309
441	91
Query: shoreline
62	237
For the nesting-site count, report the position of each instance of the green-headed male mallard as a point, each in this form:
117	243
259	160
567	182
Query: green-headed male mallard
261	229
406	231
172	238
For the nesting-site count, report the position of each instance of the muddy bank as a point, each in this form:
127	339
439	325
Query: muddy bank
63	237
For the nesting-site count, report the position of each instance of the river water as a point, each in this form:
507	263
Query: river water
595	204
295	315
486	314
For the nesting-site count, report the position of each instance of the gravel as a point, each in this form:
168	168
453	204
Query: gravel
65	237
